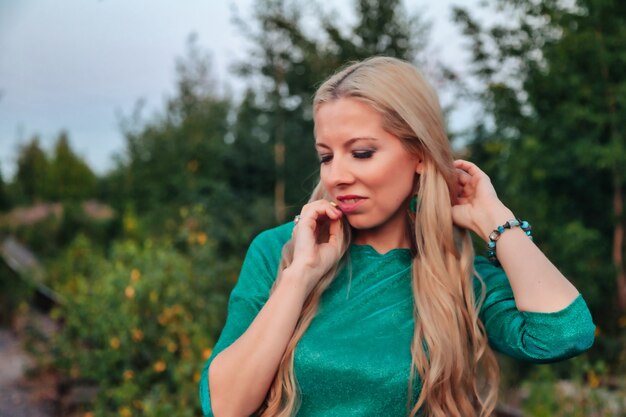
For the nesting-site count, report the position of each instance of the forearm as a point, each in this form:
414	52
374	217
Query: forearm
536	283
241	375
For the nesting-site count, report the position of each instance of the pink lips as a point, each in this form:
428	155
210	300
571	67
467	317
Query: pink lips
349	203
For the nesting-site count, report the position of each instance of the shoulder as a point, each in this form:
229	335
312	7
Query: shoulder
260	266
272	239
265	251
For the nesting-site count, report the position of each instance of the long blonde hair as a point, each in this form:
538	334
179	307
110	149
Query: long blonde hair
449	347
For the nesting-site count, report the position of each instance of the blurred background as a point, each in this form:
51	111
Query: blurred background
144	144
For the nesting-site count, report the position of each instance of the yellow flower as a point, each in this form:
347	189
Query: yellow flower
154	296
593	379
130	224
192	166
160	366
128	375
186	353
172	347
23	307
125	412
202	238
196	377
137	335
130	292
135	275
115	343
206	353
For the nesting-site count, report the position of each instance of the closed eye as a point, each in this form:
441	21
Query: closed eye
363	154
325	158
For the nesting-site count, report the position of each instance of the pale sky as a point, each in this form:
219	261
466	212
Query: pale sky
78	64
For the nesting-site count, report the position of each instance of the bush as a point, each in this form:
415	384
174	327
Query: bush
142	324
593	393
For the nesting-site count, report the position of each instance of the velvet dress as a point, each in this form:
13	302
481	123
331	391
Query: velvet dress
355	359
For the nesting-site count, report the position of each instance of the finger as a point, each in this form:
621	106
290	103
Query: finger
469	167
320	208
463	177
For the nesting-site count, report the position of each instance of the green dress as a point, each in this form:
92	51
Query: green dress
355	359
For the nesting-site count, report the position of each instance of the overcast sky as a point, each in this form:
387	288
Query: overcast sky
78	64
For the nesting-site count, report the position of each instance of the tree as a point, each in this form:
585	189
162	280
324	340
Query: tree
200	163
175	157
556	93
5	200
71	179
32	176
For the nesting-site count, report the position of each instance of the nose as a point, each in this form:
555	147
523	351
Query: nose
337	172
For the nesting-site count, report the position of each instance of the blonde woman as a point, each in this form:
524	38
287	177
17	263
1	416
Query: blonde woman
372	303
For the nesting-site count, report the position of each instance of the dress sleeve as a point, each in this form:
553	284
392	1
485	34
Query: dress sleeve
530	336
256	278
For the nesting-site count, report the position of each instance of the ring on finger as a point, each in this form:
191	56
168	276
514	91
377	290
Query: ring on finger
296	219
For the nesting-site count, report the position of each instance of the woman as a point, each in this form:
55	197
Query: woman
371	303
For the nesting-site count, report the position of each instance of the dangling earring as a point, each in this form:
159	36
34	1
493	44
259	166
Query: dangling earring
413	203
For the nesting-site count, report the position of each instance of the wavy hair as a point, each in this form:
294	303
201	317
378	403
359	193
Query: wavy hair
449	349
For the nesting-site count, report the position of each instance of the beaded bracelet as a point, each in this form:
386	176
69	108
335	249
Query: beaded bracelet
497	232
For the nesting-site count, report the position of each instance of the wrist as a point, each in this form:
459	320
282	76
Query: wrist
496	215
296	280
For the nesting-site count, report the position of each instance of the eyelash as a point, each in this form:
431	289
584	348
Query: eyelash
363	154
355	154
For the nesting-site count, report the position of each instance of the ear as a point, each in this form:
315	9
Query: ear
419	167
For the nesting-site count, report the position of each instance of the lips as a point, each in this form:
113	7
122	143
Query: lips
349	203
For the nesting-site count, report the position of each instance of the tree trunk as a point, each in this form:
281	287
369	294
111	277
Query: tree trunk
279	150
279	187
618	242
618	190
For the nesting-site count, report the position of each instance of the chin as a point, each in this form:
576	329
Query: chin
360	224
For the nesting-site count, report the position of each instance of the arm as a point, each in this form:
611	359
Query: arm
531	336
538	286
247	357
241	375
530	311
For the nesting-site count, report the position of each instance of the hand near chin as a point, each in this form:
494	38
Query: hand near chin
477	206
318	239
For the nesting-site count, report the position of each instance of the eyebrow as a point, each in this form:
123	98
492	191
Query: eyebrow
348	142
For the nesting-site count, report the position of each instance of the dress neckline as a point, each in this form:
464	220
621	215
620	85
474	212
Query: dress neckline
370	252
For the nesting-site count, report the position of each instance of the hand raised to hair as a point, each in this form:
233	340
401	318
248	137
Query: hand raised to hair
477	206
317	238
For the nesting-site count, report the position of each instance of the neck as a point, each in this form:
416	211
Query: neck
383	240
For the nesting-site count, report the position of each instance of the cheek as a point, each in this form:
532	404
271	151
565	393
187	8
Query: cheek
324	179
399	179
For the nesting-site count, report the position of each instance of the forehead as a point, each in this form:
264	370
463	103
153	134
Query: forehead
345	118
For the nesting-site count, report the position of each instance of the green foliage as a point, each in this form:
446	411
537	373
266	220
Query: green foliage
14	291
50	234
589	395
5	199
70	177
62	176
31	178
141	324
176	159
553	77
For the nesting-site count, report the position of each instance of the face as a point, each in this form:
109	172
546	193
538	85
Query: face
366	170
